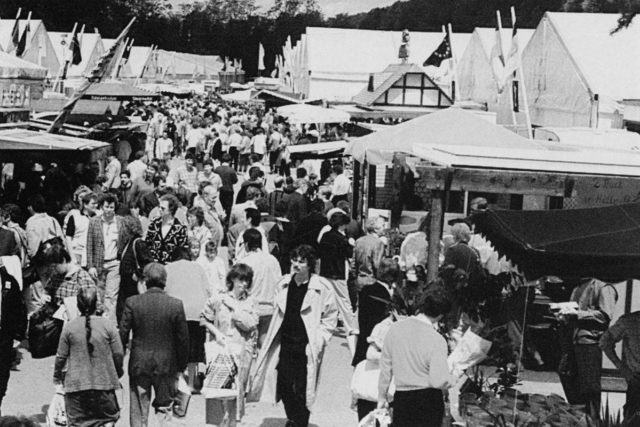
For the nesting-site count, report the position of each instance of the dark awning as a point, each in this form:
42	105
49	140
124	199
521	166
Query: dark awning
596	242
115	91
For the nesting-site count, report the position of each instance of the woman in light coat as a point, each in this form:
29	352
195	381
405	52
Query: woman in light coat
319	315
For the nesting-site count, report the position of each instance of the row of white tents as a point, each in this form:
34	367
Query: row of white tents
49	50
576	72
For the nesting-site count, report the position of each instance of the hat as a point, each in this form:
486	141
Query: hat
333	211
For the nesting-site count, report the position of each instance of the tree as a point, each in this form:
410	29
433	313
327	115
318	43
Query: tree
294	7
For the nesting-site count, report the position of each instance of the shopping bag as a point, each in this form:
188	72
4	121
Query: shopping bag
56	414
221	367
182	398
364	382
379	415
44	332
471	350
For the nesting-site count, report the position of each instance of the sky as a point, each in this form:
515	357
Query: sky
329	7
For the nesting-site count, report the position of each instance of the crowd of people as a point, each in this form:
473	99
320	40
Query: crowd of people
206	233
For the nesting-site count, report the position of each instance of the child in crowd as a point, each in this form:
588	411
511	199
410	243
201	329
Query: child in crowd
214	266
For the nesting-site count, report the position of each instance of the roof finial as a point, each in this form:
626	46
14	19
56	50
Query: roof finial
403	53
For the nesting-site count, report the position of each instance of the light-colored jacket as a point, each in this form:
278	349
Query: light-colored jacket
320	316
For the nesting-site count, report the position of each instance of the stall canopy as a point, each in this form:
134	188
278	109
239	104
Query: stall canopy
116	91
304	113
12	67
595	242
18	143
321	150
452	126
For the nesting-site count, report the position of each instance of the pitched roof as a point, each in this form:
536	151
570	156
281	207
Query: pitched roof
487	38
384	80
12	67
608	62
89	42
6	26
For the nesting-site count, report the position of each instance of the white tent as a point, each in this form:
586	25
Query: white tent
39	49
571	58
476	78
12	67
305	113
339	61
91	48
451	126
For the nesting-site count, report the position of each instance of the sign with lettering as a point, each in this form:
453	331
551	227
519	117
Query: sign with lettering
601	191
15	95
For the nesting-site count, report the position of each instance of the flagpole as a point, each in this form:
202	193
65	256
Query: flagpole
454	63
127	45
144	66
96	75
62	73
527	113
513	113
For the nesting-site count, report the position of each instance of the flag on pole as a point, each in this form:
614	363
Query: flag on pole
15	32
127	51
260	57
74	47
442	52
497	60
22	44
97	74
513	57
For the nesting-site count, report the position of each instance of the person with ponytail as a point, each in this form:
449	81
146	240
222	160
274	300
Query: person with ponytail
88	365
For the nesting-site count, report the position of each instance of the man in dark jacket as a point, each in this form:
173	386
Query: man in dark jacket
310	226
297	202
335	252
159	346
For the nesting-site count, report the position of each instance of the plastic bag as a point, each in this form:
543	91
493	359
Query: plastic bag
56	414
471	350
380	415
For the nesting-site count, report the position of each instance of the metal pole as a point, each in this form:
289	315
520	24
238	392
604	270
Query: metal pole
435	229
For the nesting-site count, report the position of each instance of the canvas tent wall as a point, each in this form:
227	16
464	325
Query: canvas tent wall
340	60
39	49
91	48
21	82
125	66
571	58
476	78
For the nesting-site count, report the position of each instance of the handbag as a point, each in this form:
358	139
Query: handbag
56	414
44	332
182	398
221	368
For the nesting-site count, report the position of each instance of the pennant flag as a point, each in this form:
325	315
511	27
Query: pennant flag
97	74
442	53
127	52
497	60
74	47
260	57
22	44
15	33
513	58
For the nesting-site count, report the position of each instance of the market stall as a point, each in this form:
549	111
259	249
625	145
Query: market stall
304	113
19	144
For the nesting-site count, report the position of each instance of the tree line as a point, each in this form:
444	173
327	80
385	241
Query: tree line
232	28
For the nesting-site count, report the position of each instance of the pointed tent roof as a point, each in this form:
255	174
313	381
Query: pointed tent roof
607	62
487	37
138	58
90	46
451	126
6	26
384	80
12	67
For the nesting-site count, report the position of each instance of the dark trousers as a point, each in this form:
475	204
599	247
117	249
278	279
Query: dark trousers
91	407
226	200
418	408
632	405
6	359
365	407
273	160
589	374
235	155
292	389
